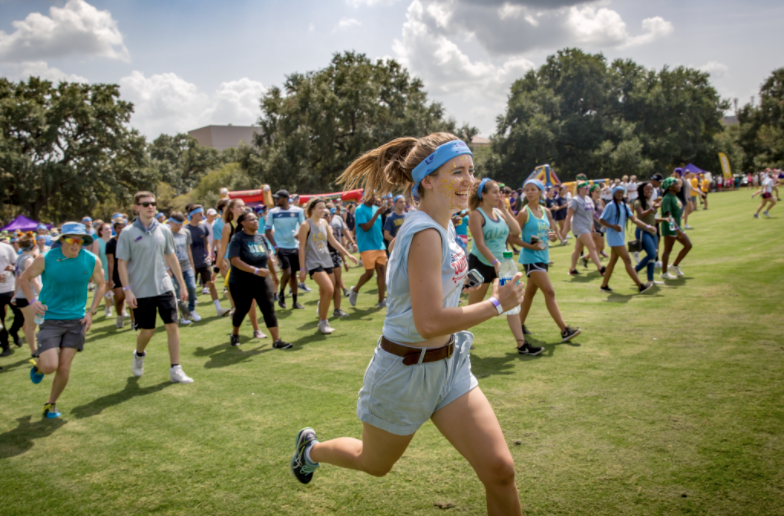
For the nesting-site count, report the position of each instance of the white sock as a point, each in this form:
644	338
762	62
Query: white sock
217	304
307	453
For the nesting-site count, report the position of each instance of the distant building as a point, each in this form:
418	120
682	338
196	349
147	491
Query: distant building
479	141
730	120
223	137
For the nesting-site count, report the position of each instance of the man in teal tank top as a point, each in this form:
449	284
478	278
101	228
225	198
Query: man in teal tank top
65	272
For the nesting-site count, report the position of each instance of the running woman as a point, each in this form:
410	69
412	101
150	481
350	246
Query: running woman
282	223
671	209
614	219
65	272
314	235
250	266
646	209
114	275
29	252
143	251
339	229
767	195
538	227
421	368
579	218
598	229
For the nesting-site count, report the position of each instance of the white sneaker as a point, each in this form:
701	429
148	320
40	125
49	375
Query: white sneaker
658	265
120	323
324	327
658	282
678	271
125	314
205	290
382	304
667	275
177	375
687	227
138	364
184	321
352	296
636	257
108	312
196	317
766	214
223	311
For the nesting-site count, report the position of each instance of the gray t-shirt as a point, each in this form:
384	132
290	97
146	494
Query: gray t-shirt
182	240
7	257
582	221
144	250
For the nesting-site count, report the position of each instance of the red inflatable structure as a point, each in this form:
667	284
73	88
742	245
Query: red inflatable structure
264	196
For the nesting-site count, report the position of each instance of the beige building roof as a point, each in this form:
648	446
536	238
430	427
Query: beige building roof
223	137
479	141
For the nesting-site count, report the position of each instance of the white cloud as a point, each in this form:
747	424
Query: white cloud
22	71
166	103
77	28
716	69
358	3
347	23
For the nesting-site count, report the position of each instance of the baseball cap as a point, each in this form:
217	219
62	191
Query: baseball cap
212	211
281	193
657	177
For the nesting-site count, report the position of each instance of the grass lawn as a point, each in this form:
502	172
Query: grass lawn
668	403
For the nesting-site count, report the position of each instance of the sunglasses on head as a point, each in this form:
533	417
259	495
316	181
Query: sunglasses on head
148	204
72	240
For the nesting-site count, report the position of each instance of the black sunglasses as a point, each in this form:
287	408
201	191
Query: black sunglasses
148	204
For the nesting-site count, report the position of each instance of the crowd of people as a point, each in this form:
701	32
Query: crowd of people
416	243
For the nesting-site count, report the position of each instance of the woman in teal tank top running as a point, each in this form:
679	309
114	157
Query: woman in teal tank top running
65	272
538	227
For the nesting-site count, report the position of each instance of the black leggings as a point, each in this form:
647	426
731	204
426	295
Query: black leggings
5	299
244	294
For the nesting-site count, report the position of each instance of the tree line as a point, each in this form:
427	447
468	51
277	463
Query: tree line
69	149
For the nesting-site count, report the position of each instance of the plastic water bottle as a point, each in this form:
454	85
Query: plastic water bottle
507	273
38	319
673	227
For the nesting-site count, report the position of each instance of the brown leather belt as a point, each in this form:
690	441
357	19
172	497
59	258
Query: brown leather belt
411	355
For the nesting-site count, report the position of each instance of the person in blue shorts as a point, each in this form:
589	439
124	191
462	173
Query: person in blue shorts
65	273
282	223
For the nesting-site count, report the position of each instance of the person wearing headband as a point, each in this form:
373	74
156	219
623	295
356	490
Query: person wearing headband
671	209
65	273
24	260
421	368
579	218
394	220
614	218
113	283
201	234
88	223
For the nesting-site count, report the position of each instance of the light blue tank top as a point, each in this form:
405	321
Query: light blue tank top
399	322
102	256
65	280
495	234
539	228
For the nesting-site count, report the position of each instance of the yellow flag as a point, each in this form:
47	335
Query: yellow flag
725	166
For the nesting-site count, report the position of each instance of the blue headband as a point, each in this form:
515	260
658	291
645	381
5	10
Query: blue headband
398	197
534	182
87	218
29	248
482	184
441	155
618	189
194	212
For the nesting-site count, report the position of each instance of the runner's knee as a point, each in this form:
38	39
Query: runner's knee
497	471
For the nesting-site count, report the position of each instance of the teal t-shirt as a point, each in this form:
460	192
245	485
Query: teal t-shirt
540	228
64	290
372	240
495	234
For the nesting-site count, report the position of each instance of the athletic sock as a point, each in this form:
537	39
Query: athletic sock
174	365
142	355
217	304
307	454
294	298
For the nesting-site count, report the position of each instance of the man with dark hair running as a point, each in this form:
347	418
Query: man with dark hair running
144	249
282	221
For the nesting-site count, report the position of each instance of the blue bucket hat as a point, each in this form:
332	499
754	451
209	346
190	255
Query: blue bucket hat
75	229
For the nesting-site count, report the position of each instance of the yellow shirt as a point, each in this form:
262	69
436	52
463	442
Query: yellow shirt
705	186
694	185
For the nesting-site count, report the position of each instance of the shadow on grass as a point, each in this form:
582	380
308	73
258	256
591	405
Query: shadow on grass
584	277
131	390
483	367
20	439
224	354
22	362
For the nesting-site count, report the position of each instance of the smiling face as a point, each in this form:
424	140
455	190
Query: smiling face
318	210
449	187
647	191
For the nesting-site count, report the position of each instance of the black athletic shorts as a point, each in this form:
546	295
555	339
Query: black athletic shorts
144	313
289	259
22	302
204	273
533	267
328	270
487	271
336	260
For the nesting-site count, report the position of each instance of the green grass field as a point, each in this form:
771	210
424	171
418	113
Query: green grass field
668	403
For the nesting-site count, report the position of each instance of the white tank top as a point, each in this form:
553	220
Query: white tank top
399	322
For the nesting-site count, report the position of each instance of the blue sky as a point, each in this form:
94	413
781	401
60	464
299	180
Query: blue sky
190	64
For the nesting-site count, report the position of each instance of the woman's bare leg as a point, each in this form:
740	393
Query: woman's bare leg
528	299
610	266
29	327
587	241
542	281
578	249
684	240
337	280
324	283
669	241
621	251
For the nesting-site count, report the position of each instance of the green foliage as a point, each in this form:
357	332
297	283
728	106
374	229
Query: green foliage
762	128
319	122
182	162
583	115
64	149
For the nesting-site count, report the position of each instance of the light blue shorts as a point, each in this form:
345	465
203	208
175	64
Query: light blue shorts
400	398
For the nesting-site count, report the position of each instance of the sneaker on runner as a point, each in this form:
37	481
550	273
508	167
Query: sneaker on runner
527	349
602	270
756	216
339	313
382	304
35	375
526	331
569	333
138	364
108	312
658	265
223	311
235	340
605	288
301	467
205	290
352	296
345	292
677	269
645	287
573	272
177	375
658	282
279	344
687	227
50	411
585	261
119	322
667	275
184	321
304	287
258	334
195	317
281	301
298	306
766	213
324	327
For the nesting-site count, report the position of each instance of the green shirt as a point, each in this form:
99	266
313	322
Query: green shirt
671	207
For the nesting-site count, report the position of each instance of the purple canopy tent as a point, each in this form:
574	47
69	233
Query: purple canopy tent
693	169
22	223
